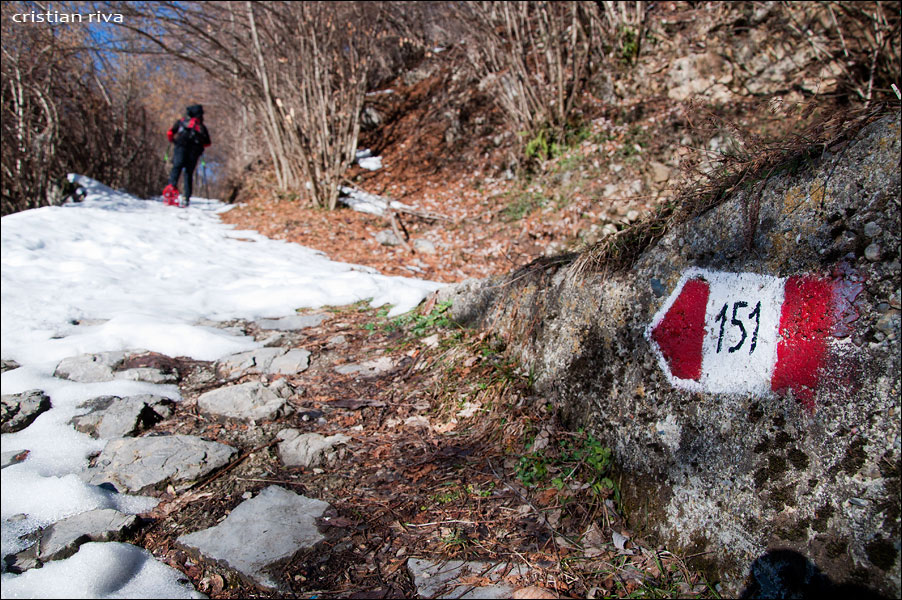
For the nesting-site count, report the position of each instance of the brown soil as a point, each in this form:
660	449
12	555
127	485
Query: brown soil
495	220
456	488
464	487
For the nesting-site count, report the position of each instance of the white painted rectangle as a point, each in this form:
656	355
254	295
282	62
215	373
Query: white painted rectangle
742	322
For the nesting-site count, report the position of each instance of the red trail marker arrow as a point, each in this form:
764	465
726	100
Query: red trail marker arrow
745	333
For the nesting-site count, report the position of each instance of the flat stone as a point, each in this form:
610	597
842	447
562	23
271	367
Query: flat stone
152	367
274	339
336	340
18	411
369	368
281	388
8	365
270	360
90	368
140	464
889	323
659	172
387	237
250	400
533	592
252	362
260	532
294	361
449	579
292	323
308	449
111	417
872	229
12	457
63	538
147	374
873	252
27	558
424	246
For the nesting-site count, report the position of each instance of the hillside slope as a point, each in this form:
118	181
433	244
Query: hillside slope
777	428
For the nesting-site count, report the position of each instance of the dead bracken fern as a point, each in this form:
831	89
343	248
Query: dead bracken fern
710	179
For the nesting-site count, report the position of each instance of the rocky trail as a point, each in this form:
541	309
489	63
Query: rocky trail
352	456
161	438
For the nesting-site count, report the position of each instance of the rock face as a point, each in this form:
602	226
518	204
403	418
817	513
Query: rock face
261	532
698	74
20	410
137	465
742	424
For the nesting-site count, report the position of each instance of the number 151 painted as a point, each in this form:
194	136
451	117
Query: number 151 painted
744	333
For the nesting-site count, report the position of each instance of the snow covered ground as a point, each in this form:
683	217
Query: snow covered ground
116	273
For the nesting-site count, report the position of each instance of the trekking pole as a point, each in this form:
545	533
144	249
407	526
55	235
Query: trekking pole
166	154
203	165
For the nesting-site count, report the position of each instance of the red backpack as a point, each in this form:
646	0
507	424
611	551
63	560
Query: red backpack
186	134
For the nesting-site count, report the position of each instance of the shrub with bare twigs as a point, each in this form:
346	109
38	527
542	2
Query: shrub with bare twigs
54	122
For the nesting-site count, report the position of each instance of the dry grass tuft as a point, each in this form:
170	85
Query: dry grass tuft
748	159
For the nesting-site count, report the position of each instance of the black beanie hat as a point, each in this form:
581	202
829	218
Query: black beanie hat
195	110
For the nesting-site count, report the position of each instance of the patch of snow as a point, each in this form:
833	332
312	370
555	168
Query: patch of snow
372	163
138	274
101	570
367	161
367	203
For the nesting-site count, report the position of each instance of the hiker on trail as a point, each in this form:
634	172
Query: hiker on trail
190	137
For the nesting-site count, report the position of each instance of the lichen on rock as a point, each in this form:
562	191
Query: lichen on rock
812	467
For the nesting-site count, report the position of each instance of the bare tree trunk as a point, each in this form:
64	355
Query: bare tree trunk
538	54
54	123
274	138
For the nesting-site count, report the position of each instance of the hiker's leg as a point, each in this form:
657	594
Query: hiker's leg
174	175
189	177
178	159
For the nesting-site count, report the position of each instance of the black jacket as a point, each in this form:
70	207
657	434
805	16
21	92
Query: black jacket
191	134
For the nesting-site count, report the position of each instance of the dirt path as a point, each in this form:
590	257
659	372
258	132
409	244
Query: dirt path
448	458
